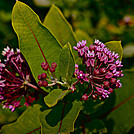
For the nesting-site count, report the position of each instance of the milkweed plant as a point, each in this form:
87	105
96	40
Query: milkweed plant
70	76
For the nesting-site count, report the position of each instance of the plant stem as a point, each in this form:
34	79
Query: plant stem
33	86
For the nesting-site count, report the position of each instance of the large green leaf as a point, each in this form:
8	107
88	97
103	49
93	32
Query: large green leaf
116	47
122	114
95	127
67	64
81	35
52	122
36	42
58	25
26	123
6	116
54	96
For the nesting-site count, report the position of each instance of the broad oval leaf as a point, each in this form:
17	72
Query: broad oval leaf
122	114
59	26
116	47
26	123
66	125
54	96
81	35
67	64
36	42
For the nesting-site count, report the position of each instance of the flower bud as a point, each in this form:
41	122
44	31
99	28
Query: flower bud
43	75
103	70
85	97
44	66
39	77
96	72
44	83
40	83
113	80
52	69
106	83
54	65
91	47
94	96
110	90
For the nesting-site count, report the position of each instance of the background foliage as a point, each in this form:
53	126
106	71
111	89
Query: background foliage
94	19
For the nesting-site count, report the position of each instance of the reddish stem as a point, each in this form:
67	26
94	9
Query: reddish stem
117	106
83	129
62	117
13	75
34	130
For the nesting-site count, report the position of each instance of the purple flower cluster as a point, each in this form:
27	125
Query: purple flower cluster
102	69
14	78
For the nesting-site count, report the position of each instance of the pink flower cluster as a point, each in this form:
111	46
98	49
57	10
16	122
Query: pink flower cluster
14	76
103	69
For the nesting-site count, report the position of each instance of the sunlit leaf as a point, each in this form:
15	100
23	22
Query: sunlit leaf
36	42
51	119
54	96
122	114
81	35
116	47
67	64
58	25
26	123
95	127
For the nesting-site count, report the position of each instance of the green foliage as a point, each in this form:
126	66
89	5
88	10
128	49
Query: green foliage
67	64
6	116
122	116
116	47
58	25
54	96
36	42
51	124
95	127
27	122
51	43
81	35
91	106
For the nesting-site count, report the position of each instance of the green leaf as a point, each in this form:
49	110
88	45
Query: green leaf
95	127
51	119
58	25
26	123
67	64
36	42
54	96
81	35
122	114
6	116
91	106
116	47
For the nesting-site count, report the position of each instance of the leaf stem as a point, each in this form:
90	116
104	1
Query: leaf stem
33	86
62	117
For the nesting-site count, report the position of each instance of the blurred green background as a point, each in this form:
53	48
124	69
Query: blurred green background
105	20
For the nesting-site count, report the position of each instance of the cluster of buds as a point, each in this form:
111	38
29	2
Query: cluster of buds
102	70
14	80
43	77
